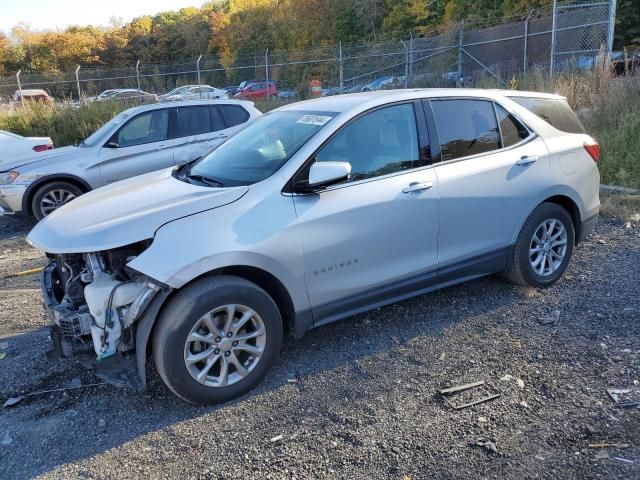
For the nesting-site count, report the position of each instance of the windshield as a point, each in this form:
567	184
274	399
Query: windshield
260	149
96	137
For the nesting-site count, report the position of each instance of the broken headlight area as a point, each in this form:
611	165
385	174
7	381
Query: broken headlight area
94	301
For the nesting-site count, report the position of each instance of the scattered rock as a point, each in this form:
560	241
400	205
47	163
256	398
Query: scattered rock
482	420
520	382
487	444
12	401
524	404
102	423
75	383
6	439
277	438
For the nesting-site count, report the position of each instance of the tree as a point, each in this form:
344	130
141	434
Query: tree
627	31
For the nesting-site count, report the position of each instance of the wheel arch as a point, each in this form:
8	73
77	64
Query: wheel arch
27	198
571	207
264	279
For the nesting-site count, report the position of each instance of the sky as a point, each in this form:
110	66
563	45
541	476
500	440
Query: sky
54	14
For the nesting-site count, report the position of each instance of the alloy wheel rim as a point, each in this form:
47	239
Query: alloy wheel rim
55	199
225	345
548	247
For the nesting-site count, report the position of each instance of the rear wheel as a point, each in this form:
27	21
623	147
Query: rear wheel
217	339
544	247
52	196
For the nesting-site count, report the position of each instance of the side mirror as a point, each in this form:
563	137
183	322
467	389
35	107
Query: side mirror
324	174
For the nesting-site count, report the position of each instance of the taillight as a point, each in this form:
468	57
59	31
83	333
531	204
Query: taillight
42	148
593	149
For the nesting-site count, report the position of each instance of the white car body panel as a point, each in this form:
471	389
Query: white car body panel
15	148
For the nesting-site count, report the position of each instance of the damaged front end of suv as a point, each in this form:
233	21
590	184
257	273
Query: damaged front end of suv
97	307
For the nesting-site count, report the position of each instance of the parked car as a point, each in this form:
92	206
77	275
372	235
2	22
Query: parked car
194	92
314	212
32	95
287	94
385	82
258	90
624	63
15	147
130	97
136	141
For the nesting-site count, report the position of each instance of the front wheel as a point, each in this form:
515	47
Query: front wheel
217	339
544	247
52	196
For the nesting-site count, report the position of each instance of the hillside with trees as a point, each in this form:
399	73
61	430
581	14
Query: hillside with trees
233	28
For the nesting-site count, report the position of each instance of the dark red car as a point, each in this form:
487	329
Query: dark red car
257	90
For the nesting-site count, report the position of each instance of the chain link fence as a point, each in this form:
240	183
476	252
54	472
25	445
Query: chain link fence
568	36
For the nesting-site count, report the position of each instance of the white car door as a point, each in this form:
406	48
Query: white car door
198	130
490	172
378	231
141	145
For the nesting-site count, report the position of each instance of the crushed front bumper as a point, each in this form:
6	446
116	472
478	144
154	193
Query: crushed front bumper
70	332
11	198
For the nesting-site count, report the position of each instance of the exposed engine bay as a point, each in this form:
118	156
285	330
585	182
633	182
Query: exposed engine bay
94	301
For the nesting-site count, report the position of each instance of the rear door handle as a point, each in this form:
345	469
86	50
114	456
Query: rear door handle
162	147
527	160
417	187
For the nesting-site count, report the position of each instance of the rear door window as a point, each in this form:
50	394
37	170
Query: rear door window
465	127
511	129
217	119
556	112
235	114
193	121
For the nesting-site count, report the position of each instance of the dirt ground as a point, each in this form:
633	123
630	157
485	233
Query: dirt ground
359	399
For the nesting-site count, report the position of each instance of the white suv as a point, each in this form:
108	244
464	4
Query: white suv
136	141
314	212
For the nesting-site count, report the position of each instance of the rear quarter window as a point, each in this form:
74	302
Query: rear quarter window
555	112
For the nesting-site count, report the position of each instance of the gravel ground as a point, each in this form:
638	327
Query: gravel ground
364	404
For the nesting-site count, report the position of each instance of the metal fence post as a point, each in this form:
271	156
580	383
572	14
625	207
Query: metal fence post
138	79
406	63
198	70
341	68
459	79
20	86
410	55
553	38
612	26
266	70
526	41
78	84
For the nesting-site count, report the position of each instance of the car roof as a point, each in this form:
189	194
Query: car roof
185	103
346	102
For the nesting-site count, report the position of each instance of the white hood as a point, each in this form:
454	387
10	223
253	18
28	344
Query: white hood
125	212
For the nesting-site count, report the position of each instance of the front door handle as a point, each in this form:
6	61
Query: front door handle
417	187
163	147
527	160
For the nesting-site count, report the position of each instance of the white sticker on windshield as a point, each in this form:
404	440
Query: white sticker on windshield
314	120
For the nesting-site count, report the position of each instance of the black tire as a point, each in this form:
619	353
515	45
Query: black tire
36	202
180	316
519	268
